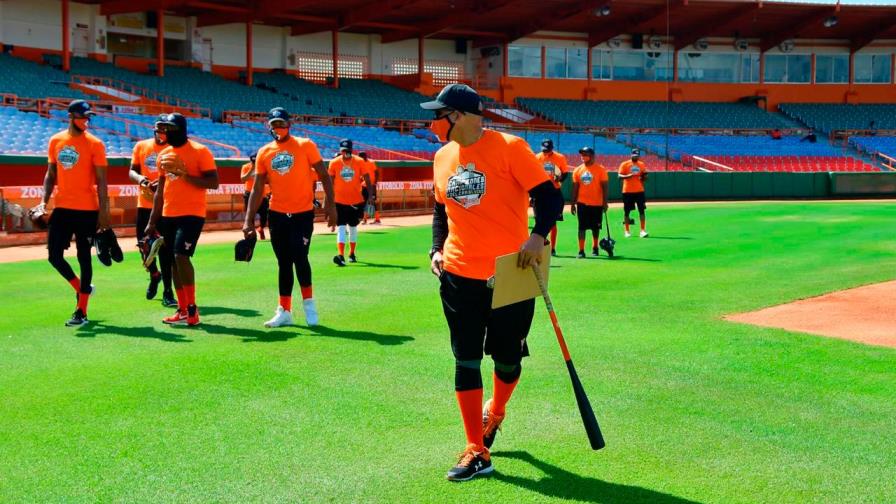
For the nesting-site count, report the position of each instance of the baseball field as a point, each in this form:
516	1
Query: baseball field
694	408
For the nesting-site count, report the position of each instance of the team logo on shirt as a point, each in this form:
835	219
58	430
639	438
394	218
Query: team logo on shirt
68	157
151	162
549	167
636	169
587	177
347	173
466	186
282	162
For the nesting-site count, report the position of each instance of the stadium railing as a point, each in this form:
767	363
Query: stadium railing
181	105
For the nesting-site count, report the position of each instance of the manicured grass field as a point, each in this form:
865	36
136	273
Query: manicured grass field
361	409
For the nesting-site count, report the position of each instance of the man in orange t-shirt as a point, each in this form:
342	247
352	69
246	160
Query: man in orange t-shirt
483	181
557	169
347	173
179	209
633	174
247	176
77	169
589	199
287	165
374	173
145	173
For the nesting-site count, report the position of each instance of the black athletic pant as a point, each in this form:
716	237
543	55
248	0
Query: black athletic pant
291	239
65	223
164	259
262	208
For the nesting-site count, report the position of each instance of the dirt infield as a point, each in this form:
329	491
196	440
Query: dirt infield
35	252
864	314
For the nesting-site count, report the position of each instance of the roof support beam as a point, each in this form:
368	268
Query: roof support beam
445	23
634	23
127	6
793	28
716	24
376	9
869	33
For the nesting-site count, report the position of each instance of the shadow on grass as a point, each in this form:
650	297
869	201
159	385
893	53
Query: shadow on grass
248	335
382	339
562	484
669	238
227	310
98	328
604	257
388	266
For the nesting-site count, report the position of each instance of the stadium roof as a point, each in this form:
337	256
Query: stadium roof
495	21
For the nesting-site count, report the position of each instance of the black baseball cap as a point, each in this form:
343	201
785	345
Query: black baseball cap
636	152
460	97
81	108
175	120
278	114
345	145
586	150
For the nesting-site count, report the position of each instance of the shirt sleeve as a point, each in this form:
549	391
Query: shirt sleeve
576	176
136	158
524	167
51	151
564	166
98	156
206	161
624	168
331	169
312	153
604	176
261	161
246	168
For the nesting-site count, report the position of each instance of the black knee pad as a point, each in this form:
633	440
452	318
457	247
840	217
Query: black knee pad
508	373
467	375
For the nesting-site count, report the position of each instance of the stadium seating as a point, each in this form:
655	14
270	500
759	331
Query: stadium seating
29	133
875	144
645	114
827	117
31	80
791	164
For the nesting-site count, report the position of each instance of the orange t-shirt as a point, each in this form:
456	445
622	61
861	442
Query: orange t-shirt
76	159
181	197
289	167
370	167
589	179
146	156
554	165
485	190
347	177
250	182
632	184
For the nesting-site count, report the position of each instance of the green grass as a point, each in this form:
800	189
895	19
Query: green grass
694	409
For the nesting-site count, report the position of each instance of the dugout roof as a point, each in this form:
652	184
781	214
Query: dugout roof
497	21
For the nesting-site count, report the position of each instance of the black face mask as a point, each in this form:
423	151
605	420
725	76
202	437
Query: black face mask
176	138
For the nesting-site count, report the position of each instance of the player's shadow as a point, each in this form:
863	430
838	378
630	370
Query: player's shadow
382	339
388	266
618	257
561	484
248	335
227	310
98	328
670	238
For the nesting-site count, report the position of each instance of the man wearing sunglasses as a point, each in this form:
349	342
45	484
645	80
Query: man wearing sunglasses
77	170
483	181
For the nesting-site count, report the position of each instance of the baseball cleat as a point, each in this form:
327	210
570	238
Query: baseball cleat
310	308
595	251
644	234
470	464
581	255
192	315
281	318
339	260
491	424
179	318
153	287
78	319
352	258
628	235
168	300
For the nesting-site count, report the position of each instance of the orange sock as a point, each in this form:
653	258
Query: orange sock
594	242
470	402
626	225
503	391
554	237
306	293
581	244
190	291
352	247
286	302
82	302
376	216
76	284
181	299
643	223
341	248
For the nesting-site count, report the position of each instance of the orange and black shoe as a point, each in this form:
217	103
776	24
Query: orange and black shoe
491	424
179	318
192	315
470	464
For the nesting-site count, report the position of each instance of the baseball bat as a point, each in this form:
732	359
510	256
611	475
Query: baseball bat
595	437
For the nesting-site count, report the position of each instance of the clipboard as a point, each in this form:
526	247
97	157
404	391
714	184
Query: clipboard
511	284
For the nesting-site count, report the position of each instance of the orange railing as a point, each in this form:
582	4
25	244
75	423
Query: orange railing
9	100
401	125
126	87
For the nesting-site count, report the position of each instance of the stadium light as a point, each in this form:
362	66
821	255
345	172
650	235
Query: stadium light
602	11
831	22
